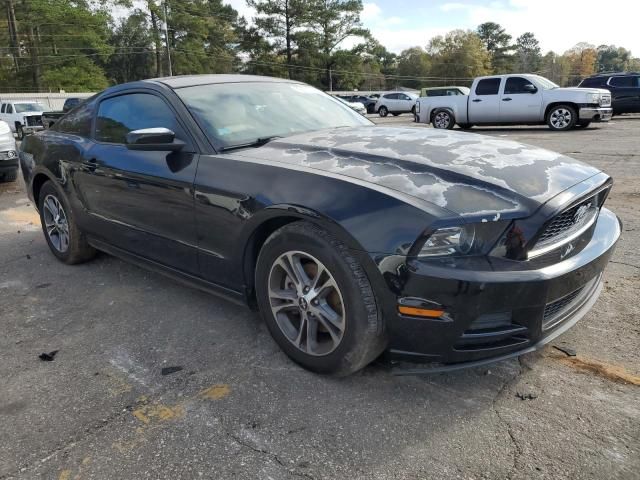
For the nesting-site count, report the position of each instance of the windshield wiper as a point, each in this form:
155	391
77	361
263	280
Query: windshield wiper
258	142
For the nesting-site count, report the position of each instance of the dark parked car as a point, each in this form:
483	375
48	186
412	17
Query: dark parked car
49	118
368	102
350	239
624	88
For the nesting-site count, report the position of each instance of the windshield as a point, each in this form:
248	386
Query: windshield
545	83
28	107
241	113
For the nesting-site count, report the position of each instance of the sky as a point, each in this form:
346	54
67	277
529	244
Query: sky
557	24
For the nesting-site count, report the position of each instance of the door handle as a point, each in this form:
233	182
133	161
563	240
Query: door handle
476	100
506	99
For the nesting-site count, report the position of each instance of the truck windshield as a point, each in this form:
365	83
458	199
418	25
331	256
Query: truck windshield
545	83
28	107
234	114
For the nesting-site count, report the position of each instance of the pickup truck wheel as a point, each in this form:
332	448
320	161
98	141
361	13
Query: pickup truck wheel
443	119
66	241
583	124
383	111
465	126
561	118
19	132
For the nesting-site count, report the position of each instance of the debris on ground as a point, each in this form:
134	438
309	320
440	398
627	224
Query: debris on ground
48	357
570	352
170	370
526	396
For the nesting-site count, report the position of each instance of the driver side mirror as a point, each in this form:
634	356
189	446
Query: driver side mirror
153	140
530	88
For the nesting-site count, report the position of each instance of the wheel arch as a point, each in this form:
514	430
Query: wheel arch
39	179
263	224
556	104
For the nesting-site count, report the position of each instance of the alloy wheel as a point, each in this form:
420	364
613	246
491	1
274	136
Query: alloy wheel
306	303
442	120
56	224
560	118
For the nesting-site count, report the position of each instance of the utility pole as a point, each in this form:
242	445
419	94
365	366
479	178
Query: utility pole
330	80
166	34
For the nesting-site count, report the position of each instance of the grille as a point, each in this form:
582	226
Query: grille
34	120
568	219
554	309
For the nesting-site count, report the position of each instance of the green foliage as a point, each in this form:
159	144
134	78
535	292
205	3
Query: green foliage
459	55
50	45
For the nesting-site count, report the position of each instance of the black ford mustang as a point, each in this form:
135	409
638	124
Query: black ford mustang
350	239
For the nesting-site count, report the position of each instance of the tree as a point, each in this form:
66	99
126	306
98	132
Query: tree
582	58
413	62
132	58
498	44
556	68
279	20
612	59
459	55
528	57
332	22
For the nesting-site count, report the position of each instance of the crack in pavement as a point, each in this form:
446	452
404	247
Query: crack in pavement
261	450
518	451
625	263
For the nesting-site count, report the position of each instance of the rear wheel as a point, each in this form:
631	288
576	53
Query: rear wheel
465	126
61	232
395	114
583	124
383	111
317	301
562	118
443	119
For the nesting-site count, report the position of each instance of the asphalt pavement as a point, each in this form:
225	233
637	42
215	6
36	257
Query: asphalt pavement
154	380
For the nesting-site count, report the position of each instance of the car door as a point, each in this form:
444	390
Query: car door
406	102
624	89
140	201
390	100
484	101
520	101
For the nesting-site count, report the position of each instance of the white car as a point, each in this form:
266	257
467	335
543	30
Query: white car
517	99
8	154
396	103
357	106
22	117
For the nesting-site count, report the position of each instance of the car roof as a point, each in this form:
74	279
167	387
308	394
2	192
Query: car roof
440	88
181	81
613	74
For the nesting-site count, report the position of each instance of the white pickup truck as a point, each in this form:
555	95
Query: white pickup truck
22	116
521	99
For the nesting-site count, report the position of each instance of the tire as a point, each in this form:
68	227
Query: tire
443	119
19	132
10	177
465	126
395	114
583	124
383	111
77	248
562	118
413	110
357	340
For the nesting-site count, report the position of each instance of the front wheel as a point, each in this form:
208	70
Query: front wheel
66	241
465	126
561	118
317	301
443	119
583	124
19	132
383	111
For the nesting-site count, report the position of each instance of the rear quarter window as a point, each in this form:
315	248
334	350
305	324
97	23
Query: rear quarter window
77	122
626	81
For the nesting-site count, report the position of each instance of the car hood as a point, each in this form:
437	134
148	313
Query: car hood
579	90
465	173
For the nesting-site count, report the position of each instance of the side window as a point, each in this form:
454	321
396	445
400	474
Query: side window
77	122
391	96
623	82
4	105
516	85
590	82
9	108
117	116
488	86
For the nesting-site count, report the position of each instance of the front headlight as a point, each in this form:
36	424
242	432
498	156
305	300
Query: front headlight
595	98
469	239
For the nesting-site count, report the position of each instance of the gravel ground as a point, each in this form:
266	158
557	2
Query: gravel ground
238	408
